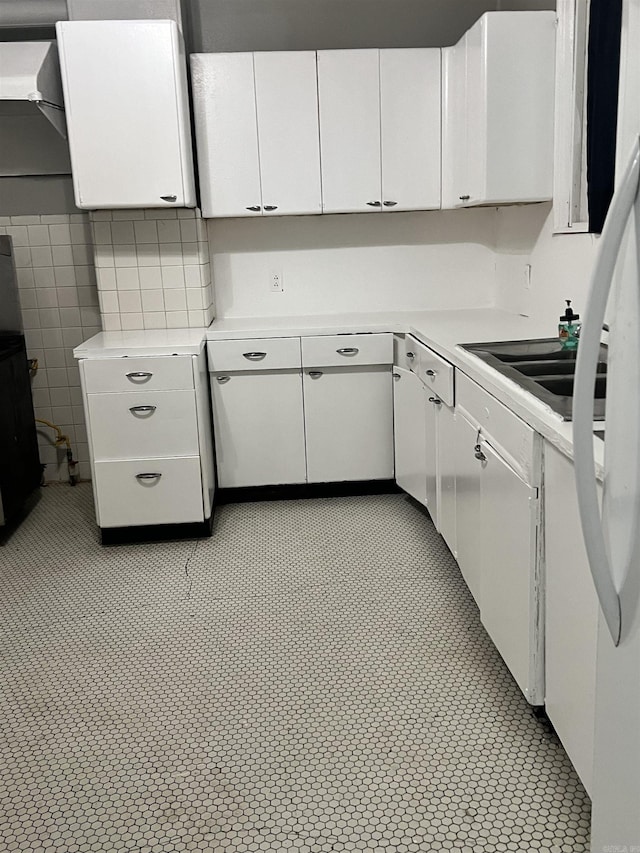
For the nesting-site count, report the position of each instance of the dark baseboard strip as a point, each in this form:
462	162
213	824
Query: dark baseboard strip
299	491
156	532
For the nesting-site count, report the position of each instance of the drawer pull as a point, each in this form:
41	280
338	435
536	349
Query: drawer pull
170	198
315	374
254	207
149	475
139	410
435	400
139	374
479	454
271	207
374	204
348	351
464	197
222	379
431	372
254	356
389	203
410	355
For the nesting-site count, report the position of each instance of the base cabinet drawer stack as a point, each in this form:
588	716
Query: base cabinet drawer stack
310	410
149	434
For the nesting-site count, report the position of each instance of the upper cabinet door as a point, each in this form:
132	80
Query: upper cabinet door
454	125
127	113
349	102
288	135
226	134
410	132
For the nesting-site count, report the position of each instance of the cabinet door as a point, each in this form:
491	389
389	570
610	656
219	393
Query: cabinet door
288	133
127	113
410	128
349	424
508	603
410	433
431	456
226	134
571	618
349	104
467	472
454	125
259	428
446	464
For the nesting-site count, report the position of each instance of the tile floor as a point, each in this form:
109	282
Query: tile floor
312	678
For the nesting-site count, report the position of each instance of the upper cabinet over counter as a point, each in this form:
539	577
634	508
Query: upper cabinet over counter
127	109
498	92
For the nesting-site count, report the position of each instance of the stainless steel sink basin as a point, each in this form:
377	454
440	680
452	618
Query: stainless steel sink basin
541	367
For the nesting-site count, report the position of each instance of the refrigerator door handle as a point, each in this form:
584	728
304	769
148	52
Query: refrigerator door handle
588	350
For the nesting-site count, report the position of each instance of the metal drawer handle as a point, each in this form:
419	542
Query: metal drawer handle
169	197
139	374
389	203
348	351
431	372
254	356
223	379
479	454
464	197
141	409
410	355
435	400
374	204
271	207
254	207
149	475
314	374
396	376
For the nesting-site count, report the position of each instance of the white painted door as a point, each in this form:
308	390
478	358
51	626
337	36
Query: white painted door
468	470
446	464
410	433
507	540
224	105
349	104
410	102
127	113
431	413
454	125
259	428
349	424
288	133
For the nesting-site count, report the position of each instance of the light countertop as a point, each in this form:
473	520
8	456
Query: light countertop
149	342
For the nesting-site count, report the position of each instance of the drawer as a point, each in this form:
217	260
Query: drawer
508	433
404	353
435	372
346	350
254	354
162	373
124	498
143	424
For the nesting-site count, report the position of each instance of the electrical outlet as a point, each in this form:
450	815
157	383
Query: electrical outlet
275	282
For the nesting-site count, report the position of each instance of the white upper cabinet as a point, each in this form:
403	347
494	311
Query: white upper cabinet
498	111
349	100
410	128
127	112
257	135
379	129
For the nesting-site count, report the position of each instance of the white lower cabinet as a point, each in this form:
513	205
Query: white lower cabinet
571	618
467	491
259	428
410	433
447	476
349	429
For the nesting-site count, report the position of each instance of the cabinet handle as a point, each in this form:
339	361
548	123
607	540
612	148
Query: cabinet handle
314	374
150	475
479	454
435	400
464	197
169	197
136	409
410	355
254	207
389	203
254	356
431	372
374	204
396	376
348	351
222	379
139	374
271	207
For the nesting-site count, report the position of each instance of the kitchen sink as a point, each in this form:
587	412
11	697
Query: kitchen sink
541	367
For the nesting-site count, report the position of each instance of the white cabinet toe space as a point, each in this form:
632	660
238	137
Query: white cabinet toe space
310	410
150	439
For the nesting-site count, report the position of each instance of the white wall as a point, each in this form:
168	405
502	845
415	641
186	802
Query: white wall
354	262
561	264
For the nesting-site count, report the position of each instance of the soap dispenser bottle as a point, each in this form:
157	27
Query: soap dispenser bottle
569	328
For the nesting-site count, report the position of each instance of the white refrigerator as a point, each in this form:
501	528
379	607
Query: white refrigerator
612	533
